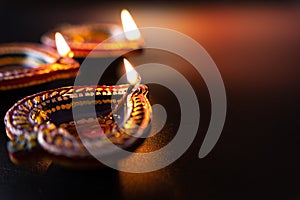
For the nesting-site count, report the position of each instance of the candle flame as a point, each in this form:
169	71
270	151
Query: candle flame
129	26
131	74
62	46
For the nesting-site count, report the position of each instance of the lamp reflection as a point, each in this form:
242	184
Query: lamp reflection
150	185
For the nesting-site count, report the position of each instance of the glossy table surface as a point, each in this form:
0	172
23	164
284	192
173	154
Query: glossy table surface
256	49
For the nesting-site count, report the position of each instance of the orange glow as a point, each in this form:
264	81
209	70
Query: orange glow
129	27
131	74
62	46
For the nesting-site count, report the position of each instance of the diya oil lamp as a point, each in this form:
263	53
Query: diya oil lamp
28	64
42	125
84	38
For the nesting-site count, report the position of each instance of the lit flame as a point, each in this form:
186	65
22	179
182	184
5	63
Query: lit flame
131	74
62	46
130	29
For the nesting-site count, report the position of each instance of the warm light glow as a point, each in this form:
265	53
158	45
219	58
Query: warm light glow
131	74
62	46
130	29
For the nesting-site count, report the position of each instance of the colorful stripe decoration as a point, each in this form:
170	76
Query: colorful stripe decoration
28	64
41	126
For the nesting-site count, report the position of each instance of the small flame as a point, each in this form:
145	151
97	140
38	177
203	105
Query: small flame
131	74
62	46
130	29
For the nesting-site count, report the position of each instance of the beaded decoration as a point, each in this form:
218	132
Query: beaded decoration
42	126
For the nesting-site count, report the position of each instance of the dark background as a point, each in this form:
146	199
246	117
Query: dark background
256	48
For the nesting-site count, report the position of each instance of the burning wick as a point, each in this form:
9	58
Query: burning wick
130	28
63	49
134	80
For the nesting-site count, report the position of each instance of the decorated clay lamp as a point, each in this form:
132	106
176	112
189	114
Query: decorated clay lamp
28	64
42	125
84	38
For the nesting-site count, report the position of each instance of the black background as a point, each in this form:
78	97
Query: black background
256	48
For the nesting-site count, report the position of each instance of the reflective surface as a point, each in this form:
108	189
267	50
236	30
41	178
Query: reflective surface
256	48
